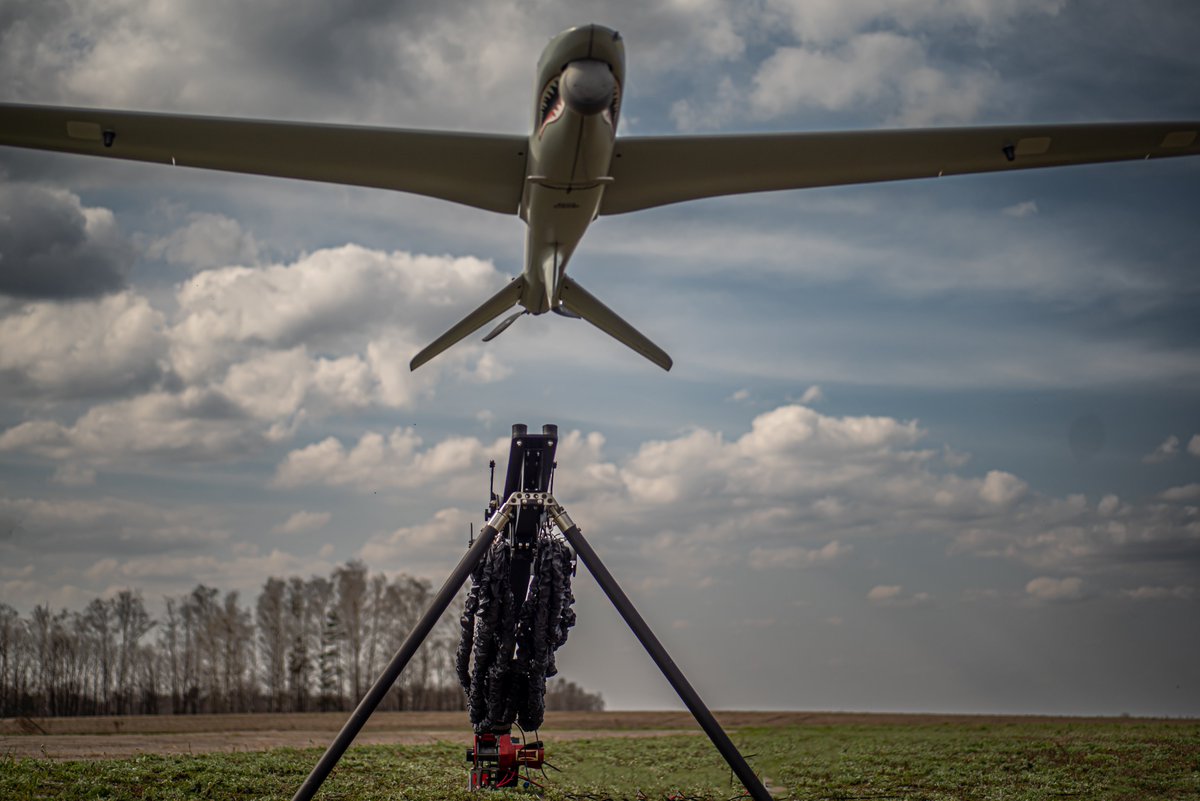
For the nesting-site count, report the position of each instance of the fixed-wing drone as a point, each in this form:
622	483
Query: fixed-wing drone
572	167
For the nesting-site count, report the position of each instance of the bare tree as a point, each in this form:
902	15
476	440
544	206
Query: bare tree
99	618
329	661
376	595
133	622
170	658
351	582
199	658
235	634
270	616
299	660
15	663
11	631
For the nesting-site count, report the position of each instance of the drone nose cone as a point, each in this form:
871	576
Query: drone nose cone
588	86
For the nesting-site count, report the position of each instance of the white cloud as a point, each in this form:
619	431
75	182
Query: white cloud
193	425
874	55
208	240
1186	492
812	395
894	595
1168	449
1194	445
388	62
60	526
330	299
1045	588
1108	505
1001	488
884	592
868	69
377	462
719	37
1025	208
241	344
829	506
796	556
83	348
73	475
304	521
954	459
796	76
1055	533
1149	593
831	20
271	385
723	103
242	569
405	546
740	396
809	485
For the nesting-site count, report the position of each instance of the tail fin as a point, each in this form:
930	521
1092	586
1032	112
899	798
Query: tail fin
492	308
581	302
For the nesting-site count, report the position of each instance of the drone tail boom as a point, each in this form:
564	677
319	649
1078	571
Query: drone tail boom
492	308
581	302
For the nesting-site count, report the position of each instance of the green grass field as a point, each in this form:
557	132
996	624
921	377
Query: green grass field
1011	761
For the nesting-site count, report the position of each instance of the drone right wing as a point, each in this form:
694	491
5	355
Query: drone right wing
482	170
657	170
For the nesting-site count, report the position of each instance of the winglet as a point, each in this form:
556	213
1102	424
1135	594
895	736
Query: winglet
492	308
581	302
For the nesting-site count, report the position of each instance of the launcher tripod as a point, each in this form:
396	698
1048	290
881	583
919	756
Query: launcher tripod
519	504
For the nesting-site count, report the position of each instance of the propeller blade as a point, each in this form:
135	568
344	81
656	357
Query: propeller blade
504	324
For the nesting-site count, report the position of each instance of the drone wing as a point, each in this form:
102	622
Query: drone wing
481	170
655	171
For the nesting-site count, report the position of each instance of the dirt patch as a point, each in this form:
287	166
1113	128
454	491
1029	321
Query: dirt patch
115	737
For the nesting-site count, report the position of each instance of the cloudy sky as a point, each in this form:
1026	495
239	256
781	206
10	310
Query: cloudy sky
926	446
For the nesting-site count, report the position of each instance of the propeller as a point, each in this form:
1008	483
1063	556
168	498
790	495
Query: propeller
504	324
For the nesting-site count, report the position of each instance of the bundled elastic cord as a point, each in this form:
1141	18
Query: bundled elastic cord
545	619
513	654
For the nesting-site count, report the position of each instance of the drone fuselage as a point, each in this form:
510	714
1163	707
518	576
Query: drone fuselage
576	107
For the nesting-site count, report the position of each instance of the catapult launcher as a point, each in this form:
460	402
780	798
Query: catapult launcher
517	614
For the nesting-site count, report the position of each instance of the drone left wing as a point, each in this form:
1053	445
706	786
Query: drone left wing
481	170
657	170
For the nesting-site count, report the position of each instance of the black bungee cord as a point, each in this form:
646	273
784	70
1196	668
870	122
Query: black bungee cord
506	651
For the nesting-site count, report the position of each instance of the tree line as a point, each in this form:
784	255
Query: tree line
312	644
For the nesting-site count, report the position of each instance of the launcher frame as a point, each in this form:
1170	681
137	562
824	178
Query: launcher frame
531	505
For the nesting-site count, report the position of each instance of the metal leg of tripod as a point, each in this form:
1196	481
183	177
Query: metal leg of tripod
411	643
659	654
